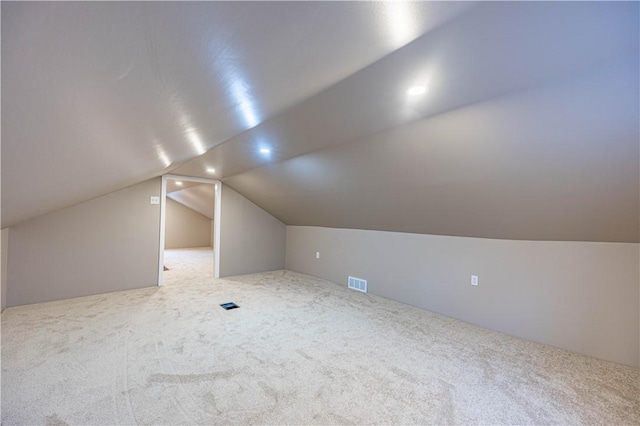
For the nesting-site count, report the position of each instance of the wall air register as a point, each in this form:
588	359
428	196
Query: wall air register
230	305
357	284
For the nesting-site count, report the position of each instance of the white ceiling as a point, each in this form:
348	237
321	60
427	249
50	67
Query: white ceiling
174	185
97	96
529	128
199	197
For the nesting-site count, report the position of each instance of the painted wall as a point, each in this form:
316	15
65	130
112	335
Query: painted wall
107	244
3	272
579	296
185	227
251	240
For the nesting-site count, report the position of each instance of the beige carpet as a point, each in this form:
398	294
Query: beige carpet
299	350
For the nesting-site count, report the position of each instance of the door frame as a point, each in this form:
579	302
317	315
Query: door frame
216	220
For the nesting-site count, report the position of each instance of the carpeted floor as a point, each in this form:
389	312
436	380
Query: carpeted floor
299	350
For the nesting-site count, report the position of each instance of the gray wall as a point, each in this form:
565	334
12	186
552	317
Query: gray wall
185	227
579	296
3	272
251	240
107	244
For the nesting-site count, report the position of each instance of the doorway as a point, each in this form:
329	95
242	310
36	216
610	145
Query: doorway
185	199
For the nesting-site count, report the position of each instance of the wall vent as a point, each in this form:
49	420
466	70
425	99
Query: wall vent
357	284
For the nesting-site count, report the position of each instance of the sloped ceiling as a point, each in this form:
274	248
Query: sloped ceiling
97	96
199	197
528	129
174	185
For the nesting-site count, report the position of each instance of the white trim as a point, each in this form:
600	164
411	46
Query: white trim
192	179
163	206
217	226
216	220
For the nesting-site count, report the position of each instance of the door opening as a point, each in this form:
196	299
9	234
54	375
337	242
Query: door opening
189	209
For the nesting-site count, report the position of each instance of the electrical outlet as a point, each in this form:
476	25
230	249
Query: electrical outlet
474	280
317	255
155	200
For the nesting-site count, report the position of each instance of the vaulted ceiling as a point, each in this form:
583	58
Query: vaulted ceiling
528	127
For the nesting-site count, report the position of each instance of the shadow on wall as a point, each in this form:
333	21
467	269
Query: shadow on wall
107	244
186	228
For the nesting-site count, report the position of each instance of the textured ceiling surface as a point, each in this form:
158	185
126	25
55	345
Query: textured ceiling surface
528	128
97	96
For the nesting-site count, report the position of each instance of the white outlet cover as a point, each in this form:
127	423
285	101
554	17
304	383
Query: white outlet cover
155	200
474	280
317	255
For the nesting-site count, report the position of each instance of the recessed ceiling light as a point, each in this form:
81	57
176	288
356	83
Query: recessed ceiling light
416	90
178	183
265	151
211	170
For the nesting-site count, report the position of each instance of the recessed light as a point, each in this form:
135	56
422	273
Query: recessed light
178	183
416	90
211	170
265	151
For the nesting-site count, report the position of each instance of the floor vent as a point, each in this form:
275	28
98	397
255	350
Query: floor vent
230	305
357	284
